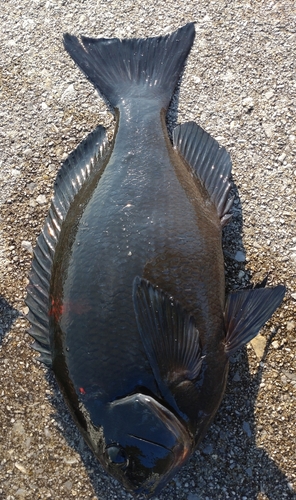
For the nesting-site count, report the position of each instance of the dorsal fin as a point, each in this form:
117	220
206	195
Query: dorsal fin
210	162
87	158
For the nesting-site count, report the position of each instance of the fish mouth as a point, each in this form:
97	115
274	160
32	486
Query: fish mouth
155	483
176	451
148	441
178	428
145	443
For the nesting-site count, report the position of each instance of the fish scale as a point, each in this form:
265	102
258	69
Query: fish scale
126	295
160	226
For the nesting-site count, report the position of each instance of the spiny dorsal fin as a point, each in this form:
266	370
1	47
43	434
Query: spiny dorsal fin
210	162
87	158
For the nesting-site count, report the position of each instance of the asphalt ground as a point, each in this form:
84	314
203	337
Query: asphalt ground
239	85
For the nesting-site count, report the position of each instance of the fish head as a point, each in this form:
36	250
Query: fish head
145	443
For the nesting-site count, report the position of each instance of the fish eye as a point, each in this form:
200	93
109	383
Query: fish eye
117	455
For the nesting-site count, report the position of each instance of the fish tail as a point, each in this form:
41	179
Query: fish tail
132	68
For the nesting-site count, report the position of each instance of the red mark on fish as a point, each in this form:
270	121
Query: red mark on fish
57	307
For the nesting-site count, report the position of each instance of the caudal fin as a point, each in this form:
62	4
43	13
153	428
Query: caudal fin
126	69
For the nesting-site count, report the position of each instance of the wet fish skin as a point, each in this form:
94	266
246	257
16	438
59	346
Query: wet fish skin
127	293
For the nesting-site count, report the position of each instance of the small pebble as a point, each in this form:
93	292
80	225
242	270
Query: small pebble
21	468
291	325
193	496
247	429
268	129
259	343
240	256
208	449
236	377
27	245
248	103
41	199
269	94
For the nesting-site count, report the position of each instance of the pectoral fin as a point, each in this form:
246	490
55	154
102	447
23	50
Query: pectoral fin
246	312
169	336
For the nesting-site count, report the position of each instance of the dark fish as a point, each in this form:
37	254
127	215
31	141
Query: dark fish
127	295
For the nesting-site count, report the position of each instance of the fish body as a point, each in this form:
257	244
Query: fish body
127	293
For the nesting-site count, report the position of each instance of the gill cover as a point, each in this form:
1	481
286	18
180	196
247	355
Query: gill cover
145	443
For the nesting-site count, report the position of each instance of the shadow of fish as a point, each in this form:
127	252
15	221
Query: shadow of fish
127	293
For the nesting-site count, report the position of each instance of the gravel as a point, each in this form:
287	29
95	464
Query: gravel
238	85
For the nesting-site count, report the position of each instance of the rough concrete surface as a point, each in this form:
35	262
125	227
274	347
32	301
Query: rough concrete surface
239	84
